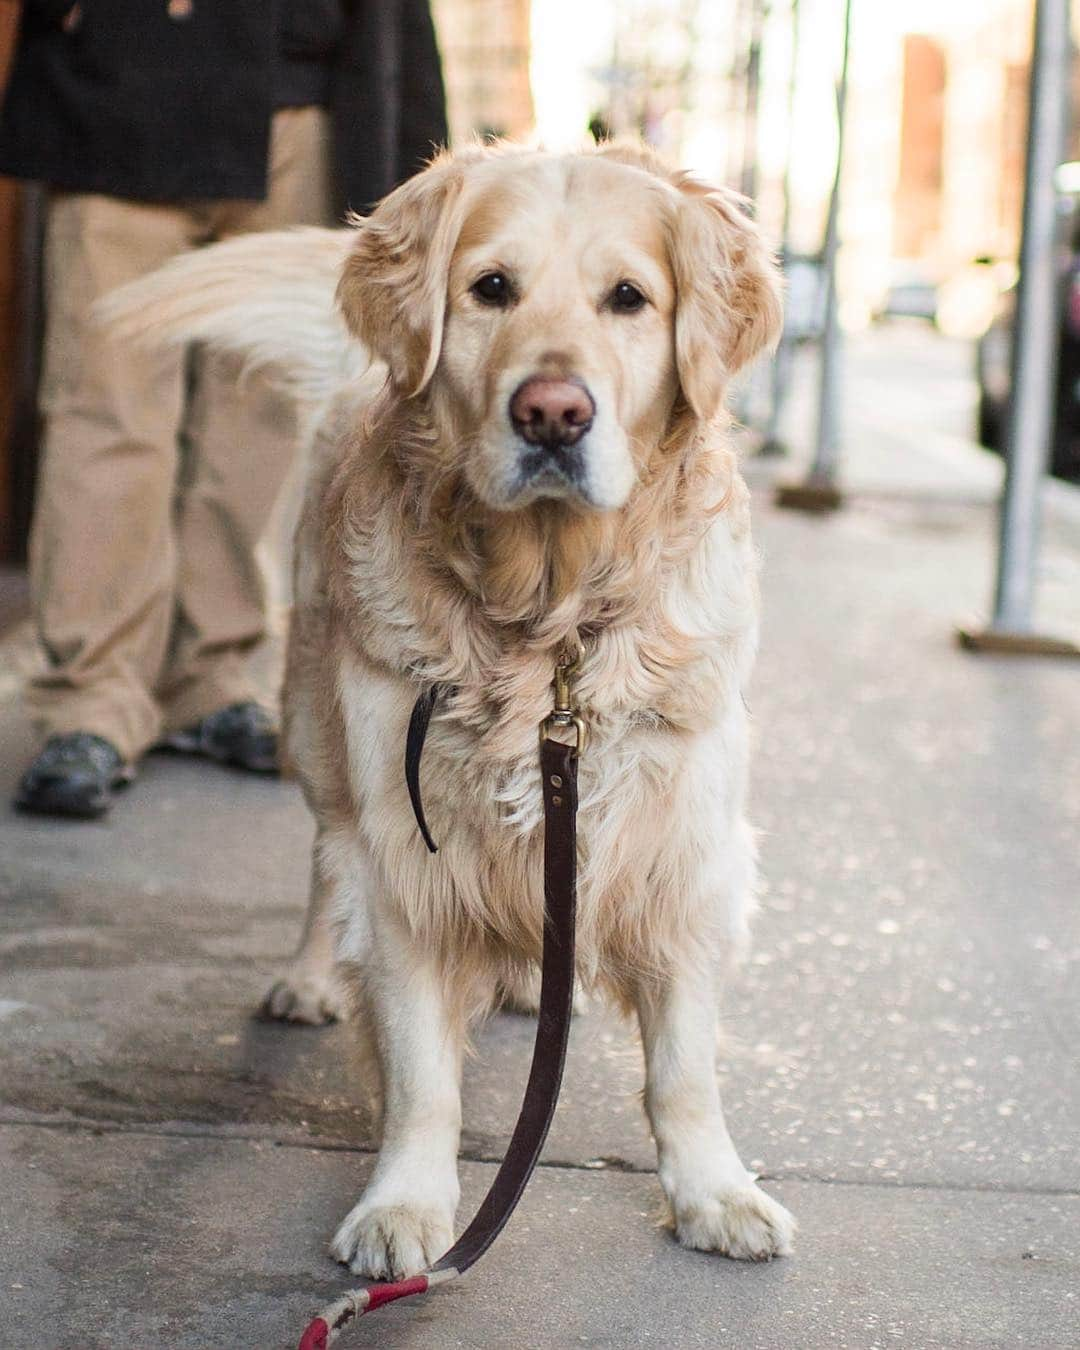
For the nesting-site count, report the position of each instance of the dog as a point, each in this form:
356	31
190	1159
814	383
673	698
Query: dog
521	443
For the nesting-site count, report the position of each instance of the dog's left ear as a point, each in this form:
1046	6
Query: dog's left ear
728	293
392	290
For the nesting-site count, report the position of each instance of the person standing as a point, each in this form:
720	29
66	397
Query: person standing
158	126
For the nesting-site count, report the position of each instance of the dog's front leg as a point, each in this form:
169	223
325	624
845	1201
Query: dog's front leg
404	1220
714	1202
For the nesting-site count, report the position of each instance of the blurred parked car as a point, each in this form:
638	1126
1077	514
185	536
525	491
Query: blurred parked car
911	295
994	372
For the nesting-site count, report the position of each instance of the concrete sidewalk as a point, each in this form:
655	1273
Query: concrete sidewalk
901	1064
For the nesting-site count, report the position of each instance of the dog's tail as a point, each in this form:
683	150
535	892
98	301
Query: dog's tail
269	298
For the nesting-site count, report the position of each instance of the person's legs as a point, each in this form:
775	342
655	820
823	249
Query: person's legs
101	551
244	436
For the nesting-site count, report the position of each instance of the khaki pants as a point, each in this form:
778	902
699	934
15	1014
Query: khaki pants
147	592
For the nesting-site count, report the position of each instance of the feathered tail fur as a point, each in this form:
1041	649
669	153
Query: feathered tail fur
269	298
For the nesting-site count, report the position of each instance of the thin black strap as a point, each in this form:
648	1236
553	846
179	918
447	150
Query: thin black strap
414	747
558	764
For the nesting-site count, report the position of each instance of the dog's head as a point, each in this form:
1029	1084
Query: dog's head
557	310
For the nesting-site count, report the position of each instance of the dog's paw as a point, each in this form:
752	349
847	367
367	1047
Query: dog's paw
391	1242
312	997
743	1223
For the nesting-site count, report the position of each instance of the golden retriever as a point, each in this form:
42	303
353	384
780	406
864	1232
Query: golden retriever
521	444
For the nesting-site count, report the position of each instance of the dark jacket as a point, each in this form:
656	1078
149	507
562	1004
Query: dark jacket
136	103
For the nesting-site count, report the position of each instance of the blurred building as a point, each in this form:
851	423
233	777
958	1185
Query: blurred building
672	71
934	174
935	147
963	116
485	51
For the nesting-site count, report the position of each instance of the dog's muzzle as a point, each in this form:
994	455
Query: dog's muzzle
551	416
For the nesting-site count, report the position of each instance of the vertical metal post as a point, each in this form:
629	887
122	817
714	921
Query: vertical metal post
747	396
748	176
828	429
771	443
1036	339
741	31
819	491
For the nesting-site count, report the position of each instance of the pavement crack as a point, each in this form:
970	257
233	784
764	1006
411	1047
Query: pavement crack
487	1158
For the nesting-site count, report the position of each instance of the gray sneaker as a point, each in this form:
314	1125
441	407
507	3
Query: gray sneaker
242	735
75	775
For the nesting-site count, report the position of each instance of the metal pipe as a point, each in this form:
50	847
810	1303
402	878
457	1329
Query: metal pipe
748	176
789	130
1037	324
826	447
783	360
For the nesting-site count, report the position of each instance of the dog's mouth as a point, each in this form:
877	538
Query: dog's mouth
594	474
559	473
556	468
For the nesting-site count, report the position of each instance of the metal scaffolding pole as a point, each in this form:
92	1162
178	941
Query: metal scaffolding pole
749	390
748	174
783	363
818	491
1035	349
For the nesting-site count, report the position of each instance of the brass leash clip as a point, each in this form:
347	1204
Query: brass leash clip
565	715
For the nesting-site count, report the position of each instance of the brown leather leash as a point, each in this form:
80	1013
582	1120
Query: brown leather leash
558	766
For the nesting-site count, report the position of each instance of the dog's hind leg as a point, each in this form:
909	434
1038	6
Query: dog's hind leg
518	991
312	989
715	1205
404	1220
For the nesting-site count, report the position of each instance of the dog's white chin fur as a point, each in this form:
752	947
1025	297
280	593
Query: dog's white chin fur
607	480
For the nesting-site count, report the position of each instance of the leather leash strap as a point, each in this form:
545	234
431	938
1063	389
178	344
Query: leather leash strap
558	765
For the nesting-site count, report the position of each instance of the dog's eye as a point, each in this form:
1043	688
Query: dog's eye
626	298
492	289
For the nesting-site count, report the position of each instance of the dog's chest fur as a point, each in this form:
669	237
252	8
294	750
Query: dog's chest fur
660	689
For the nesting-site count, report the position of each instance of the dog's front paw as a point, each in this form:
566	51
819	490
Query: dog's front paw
741	1222
314	997
390	1242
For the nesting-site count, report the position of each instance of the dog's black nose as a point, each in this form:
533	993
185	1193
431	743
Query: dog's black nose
552	412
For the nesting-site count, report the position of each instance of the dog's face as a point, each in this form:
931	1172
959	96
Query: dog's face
558	337
556	310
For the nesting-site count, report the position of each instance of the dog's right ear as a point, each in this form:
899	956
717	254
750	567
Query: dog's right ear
392	291
729	292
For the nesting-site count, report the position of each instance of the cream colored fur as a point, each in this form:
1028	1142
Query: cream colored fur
424	555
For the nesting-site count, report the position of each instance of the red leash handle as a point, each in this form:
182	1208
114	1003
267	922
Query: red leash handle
323	1330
